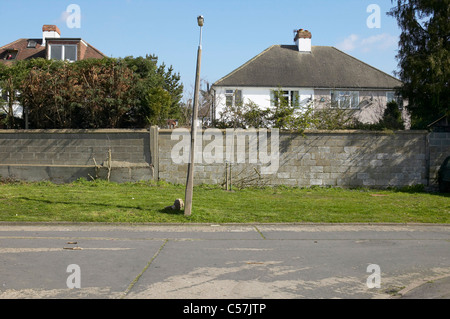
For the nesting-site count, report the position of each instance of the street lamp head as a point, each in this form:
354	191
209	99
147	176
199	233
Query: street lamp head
200	21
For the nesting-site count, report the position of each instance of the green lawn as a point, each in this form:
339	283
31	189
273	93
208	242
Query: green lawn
144	202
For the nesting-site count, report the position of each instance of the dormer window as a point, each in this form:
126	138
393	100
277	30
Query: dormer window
63	52
9	55
31	44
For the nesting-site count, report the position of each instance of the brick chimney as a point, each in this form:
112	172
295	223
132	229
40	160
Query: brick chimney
303	40
50	31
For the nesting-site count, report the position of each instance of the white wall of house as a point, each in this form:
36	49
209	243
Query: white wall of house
370	108
261	96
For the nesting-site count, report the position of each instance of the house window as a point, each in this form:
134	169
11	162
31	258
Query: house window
393	96
290	98
63	52
233	98
345	99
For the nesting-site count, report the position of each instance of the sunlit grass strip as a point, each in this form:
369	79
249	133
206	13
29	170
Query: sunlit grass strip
144	202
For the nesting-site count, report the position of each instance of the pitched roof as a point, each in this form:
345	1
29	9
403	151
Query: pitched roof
25	53
324	67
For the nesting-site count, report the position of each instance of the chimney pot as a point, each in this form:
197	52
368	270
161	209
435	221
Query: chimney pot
50	31
303	34
303	40
50	27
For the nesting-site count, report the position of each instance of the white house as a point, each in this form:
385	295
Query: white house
318	74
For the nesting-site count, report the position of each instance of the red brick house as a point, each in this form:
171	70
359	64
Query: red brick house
50	46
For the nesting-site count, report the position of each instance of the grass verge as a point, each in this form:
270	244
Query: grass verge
144	202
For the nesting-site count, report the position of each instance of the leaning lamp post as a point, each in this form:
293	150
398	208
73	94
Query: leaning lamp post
194	124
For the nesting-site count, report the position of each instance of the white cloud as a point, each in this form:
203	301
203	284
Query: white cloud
378	42
63	17
382	42
349	44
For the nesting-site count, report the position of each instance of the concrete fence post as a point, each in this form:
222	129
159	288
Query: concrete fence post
427	160
154	151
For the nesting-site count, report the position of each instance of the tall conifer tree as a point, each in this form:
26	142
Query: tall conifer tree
423	57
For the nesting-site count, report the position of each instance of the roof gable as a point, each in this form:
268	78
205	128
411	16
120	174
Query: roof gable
324	67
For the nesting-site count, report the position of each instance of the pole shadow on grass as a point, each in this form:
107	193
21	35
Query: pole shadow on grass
166	210
50	202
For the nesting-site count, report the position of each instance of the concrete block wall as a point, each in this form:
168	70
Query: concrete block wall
354	158
439	149
345	158
172	172
65	155
324	158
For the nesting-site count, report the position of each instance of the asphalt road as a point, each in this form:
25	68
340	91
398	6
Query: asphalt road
351	261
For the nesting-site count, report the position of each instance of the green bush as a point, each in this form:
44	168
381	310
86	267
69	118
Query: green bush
93	93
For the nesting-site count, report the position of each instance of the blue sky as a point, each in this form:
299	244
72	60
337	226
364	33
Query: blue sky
234	31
